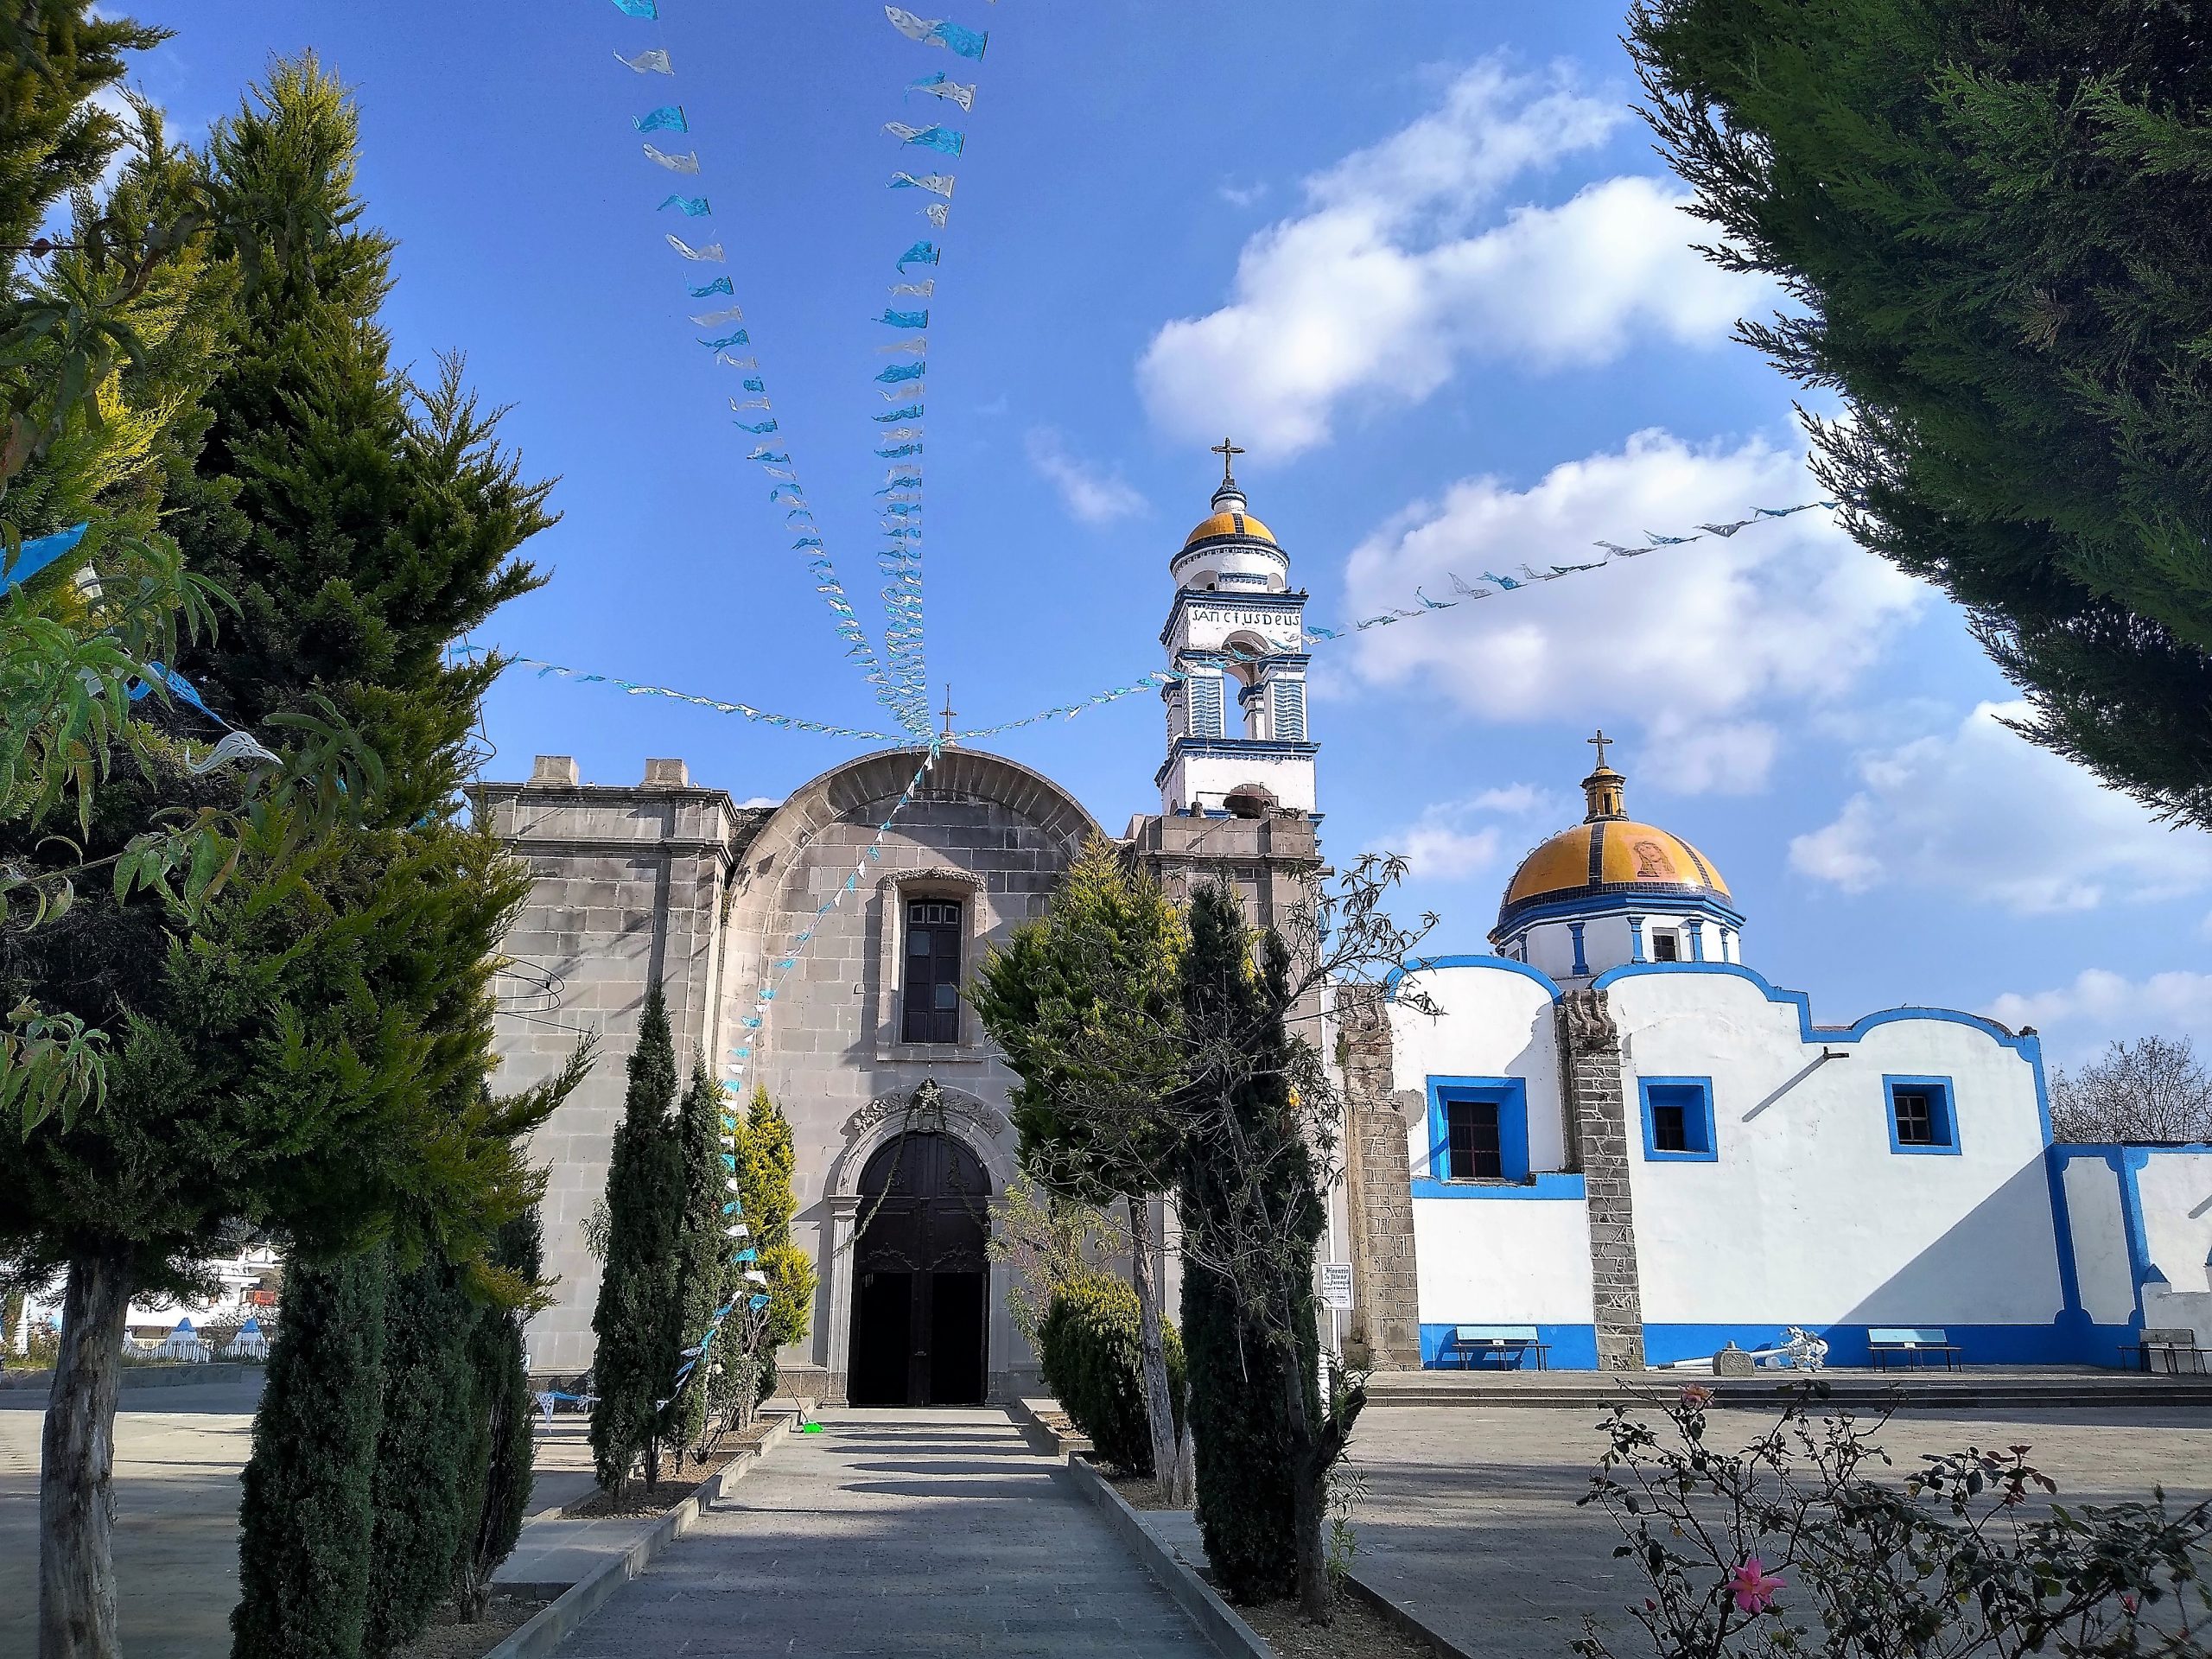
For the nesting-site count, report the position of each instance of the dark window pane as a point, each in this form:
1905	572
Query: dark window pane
1916	1119
1663	948
1471	1147
1669	1131
930	1000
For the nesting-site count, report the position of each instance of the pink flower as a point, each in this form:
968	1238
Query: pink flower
1696	1397
1753	1587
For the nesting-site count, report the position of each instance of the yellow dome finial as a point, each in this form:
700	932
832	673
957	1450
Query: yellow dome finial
1603	789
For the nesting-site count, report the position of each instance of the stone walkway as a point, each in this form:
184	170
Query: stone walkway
935	1532
1469	1520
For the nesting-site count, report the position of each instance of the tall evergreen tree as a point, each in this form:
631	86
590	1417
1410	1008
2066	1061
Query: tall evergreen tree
497	1482
703	1248
1249	1338
1995	221
422	1453
308	1505
766	1163
54	54
638	1318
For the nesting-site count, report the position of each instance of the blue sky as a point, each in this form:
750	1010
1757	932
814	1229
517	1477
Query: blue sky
1419	258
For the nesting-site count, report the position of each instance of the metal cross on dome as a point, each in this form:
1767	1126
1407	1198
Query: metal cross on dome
1601	742
1228	451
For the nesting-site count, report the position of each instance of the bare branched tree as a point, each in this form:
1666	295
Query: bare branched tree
2154	1089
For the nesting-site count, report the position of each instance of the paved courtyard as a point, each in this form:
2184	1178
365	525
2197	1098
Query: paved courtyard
1469	1518
934	1532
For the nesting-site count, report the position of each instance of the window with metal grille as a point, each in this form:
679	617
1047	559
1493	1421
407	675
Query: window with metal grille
1923	1117
929	1004
1473	1150
1666	946
1677	1118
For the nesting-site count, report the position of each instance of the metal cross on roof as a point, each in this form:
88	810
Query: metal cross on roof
1228	451
1601	742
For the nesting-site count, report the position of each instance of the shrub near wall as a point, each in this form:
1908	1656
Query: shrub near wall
1089	1348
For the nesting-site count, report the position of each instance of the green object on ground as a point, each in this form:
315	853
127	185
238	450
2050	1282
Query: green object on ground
809	1429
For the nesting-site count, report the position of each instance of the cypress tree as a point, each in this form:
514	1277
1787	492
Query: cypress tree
495	1488
1995	222
422	1450
636	1320
54	54
704	1247
1251	1220
307	1512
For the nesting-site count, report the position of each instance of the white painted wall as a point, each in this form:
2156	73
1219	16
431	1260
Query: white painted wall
1494	1022
2175	1185
2101	1265
1503	1261
1807	1215
1606	943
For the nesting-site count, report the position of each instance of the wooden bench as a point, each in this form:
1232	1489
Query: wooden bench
1501	1343
1915	1345
2172	1350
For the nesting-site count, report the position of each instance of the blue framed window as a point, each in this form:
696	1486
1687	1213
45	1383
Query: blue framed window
1923	1114
1478	1128
1678	1120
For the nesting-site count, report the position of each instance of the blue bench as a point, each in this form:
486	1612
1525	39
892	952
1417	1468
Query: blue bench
1915	1345
1505	1344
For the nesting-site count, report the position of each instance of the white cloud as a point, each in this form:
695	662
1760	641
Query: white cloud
1242	195
1093	496
1381	289
1457	840
2100	1006
1700	643
1982	813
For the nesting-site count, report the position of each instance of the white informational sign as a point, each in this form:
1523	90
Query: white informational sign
1336	1287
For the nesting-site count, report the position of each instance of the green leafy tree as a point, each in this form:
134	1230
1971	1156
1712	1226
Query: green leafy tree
638	1320
304	1581
1086	1007
54	54
1994	221
300	1032
744	1371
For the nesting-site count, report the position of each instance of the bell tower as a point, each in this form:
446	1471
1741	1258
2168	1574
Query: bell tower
1236	635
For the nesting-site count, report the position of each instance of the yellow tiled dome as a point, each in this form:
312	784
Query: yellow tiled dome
1242	525
1611	855
1607	855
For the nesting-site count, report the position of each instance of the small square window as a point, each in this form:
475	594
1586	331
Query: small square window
1923	1115
1478	1129
1666	946
1678	1120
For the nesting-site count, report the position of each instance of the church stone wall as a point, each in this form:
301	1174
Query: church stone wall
985	831
629	887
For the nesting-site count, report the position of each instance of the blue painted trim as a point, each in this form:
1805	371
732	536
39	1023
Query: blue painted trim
1555	1184
1293	601
1943	1098
1979	1344
1512	1095
1703	1122
1581	964
1570	1347
1635	939
1425	965
1639	897
2025	1044
1236	747
1695	925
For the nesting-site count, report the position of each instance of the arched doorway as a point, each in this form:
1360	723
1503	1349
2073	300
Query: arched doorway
921	1281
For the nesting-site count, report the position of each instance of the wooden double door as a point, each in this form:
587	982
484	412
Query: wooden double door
921	1279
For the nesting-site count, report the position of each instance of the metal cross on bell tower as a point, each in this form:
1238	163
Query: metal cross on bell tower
1228	450
947	713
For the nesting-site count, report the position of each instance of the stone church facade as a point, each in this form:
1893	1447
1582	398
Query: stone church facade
867	1035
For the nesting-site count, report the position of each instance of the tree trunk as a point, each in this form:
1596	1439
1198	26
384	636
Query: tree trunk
1159	1403
1309	1478
76	1495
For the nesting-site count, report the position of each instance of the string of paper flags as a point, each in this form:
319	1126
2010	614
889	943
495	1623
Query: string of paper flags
722	330
1315	634
903	384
